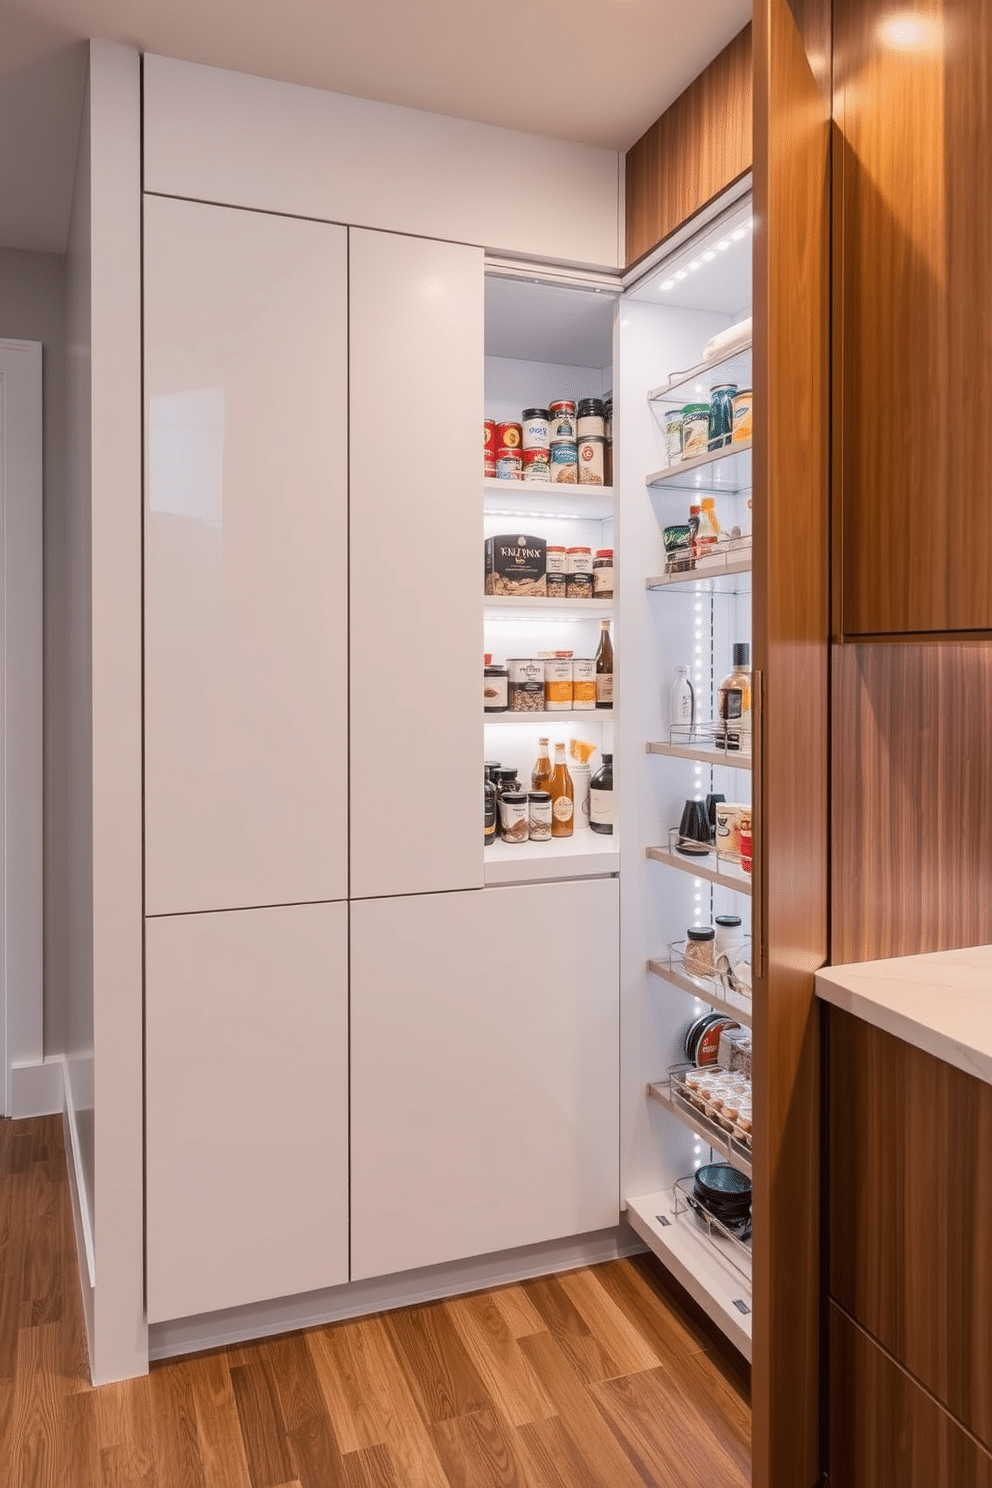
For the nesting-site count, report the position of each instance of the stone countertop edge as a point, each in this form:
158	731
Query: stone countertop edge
940	1003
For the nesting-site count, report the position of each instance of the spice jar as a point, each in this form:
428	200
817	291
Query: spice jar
557	563
698	956
591	418
539	807
513	815
534	428
495	696
602	574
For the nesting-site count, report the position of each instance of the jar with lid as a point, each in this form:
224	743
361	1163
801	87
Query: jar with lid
591	418
729	934
539	808
699	958
561	421
489	812
495	689
601	798
602	574
504	779
556	560
534	428
513	816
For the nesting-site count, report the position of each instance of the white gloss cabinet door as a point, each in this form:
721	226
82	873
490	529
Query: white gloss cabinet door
484	1072
416	561
245	558
246	1106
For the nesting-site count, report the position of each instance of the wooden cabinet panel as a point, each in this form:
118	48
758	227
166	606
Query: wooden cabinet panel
245	559
246	1106
416	561
885	1429
484	1031
911	1212
912	799
913	196
791	626
695	150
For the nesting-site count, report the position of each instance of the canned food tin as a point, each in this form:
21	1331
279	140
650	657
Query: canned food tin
534	424
536	465
695	430
742	416
561	421
584	683
564	464
508	436
591	458
509	465
673	436
526	688
558	685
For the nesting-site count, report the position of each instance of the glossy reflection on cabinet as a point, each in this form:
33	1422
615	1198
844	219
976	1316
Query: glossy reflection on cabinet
245	558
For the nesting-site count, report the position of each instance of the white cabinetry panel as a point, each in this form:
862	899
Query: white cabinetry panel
484	1072
416	561
247	1106
245	553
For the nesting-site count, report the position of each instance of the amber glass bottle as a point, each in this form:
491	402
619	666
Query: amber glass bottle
562	796
540	776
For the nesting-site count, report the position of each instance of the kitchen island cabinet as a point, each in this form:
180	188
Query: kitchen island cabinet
909	1098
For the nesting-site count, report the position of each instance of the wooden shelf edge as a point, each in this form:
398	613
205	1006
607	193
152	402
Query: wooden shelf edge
711	998
696	868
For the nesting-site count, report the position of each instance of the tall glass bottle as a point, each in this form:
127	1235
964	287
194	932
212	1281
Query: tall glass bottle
734	702
562	796
604	667
540	776
681	703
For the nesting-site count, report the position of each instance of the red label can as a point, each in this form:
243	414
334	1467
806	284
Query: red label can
509	436
489	446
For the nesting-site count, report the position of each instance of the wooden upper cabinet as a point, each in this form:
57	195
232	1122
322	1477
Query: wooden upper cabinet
913	306
695	150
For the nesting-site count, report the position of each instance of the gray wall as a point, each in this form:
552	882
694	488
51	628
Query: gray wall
32	308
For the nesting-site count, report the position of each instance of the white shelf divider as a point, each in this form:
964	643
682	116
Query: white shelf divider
546	499
558	716
694	1259
586	854
700	1126
528	607
706	992
736	457
707	755
728	873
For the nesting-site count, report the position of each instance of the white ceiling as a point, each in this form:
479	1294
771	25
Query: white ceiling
595	71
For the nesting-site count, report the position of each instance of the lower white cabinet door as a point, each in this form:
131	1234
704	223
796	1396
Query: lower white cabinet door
247	1106
484	1071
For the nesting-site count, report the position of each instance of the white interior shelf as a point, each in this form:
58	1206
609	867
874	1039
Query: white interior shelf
544	715
716	580
701	1264
527	607
586	854
513	498
701	472
710	992
701	1126
707	754
735	366
721	870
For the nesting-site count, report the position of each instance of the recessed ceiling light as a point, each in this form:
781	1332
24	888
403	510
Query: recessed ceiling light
668	284
681	274
722	246
741	232
695	265
709	256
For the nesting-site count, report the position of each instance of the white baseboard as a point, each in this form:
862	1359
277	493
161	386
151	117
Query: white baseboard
360	1298
37	1089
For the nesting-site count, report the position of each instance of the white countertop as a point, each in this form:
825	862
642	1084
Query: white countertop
940	1003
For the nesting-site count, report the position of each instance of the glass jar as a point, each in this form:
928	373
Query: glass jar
699	958
513	816
539	807
495	689
602	574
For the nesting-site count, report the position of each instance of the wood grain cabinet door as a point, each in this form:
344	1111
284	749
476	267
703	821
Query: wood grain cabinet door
791	628
912	203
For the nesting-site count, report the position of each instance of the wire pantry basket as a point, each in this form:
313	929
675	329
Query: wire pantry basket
732	987
712	734
688	1085
734	1249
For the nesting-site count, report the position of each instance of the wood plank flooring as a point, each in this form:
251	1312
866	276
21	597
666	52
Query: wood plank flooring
597	1378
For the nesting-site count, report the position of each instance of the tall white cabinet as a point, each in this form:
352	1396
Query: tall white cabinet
360	1061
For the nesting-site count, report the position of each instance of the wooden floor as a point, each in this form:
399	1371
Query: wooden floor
591	1379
